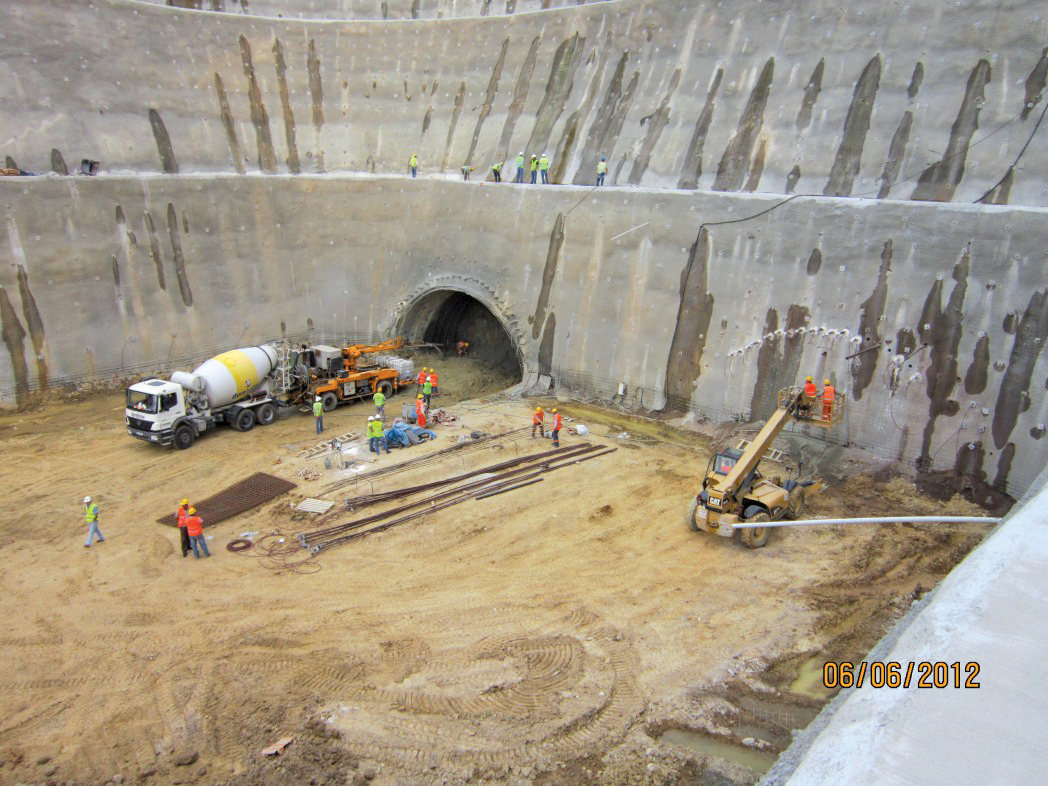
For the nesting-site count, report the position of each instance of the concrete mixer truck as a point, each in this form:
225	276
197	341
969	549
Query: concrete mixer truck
234	388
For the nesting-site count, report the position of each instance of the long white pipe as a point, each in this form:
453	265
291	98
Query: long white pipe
881	520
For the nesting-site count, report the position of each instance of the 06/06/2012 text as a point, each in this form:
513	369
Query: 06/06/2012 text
893	674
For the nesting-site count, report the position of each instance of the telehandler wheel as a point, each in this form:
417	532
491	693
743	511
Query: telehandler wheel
385	387
692	510
184	437
755	537
245	420
329	400
266	414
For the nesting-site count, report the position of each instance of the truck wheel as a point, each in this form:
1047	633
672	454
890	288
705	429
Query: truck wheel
184	437
245	420
796	502
385	387
755	537
692	510
329	400
266	414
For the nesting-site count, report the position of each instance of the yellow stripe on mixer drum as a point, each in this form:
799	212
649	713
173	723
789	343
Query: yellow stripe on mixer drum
241	367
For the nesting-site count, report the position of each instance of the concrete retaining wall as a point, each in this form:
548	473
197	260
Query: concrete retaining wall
790	97
947	304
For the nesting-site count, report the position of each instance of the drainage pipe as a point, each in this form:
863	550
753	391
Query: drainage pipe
880	520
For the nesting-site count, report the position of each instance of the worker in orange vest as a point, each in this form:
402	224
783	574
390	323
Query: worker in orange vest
195	530
557	423
537	422
182	514
828	394
420	411
433	381
811	393
420	380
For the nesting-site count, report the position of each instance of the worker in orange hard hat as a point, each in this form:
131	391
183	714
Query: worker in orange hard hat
538	422
557	424
181	514
420	410
828	394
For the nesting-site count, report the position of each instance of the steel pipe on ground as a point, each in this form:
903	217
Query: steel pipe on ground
877	520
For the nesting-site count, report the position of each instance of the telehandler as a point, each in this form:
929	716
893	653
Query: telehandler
734	491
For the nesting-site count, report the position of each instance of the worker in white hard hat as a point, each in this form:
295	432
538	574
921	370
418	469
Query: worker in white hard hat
318	414
544	168
91	518
520	168
376	439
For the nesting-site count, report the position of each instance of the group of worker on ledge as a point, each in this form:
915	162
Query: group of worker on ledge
539	166
810	397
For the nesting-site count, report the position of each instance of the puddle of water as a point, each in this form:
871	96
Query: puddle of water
759	761
809	680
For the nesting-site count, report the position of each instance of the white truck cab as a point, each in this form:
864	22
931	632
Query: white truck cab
152	408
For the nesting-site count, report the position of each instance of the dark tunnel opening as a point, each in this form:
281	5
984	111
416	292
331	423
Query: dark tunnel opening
446	317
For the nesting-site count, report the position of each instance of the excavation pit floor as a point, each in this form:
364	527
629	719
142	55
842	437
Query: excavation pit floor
570	632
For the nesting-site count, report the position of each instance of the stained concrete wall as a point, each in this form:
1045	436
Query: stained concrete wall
948	304
371	9
881	99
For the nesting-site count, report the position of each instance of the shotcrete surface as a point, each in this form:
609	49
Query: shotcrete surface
545	636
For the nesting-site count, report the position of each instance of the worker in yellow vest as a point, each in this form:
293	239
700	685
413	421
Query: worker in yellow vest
91	518
602	170
544	168
376	439
413	163
520	168
534	168
496	170
380	405
318	414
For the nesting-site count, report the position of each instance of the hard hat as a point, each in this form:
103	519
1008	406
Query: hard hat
185	502
420	396
538	409
826	382
467	343
520	153
553	410
371	417
807	379
192	511
317	398
87	500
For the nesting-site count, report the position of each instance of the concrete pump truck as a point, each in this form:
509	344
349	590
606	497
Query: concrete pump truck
734	491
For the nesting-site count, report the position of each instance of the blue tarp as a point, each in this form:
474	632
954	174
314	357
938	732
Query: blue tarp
397	434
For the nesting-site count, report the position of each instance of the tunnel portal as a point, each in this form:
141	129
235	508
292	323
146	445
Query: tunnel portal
445	317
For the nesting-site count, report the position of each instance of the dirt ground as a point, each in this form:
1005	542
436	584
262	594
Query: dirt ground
550	635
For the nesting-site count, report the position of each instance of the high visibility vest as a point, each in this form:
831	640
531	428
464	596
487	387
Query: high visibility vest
496	167
810	389
520	160
602	167
828	394
414	161
534	164
194	525
543	163
91	513
318	409
538	417
374	428
181	514
419	406
428	387
433	379
420	378
380	399
556	422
